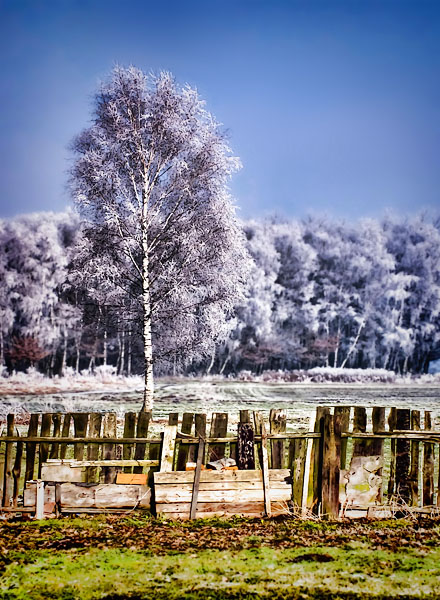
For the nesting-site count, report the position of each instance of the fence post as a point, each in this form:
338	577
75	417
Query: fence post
278	422
331	461
8	465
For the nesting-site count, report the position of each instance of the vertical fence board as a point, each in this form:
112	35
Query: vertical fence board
258	420
360	426
65	433
265	470
142	426
183	453
219	427
245	446
80	421
46	422
109	450
16	472
403	457
331	460
278	422
8	484
344	417
392	427
31	448
315	480
56	420
168	448
173	418
428	466
129	431
415	460
297	463
93	449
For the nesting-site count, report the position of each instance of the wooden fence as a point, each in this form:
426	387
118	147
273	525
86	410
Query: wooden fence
321	461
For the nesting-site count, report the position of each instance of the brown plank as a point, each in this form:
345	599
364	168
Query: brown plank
208	476
344	416
265	470
278	424
65	433
8	480
109	450
331	460
95	422
245	456
31	448
360	426
16	472
173	418
46	423
56	420
428	466
195	489
297	463
403	457
392	426
80	421
315	480
415	460
129	432
219	427
143	423
183	455
210	509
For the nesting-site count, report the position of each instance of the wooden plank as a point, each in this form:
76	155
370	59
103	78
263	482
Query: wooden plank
46	423
245	456
376	446
200	426
56	420
297	463
207	476
316	463
265	470
16	472
168	447
344	416
331	461
210	509
392	425
307	496
173	418
39	503
143	423
8	481
129	432
183	455
166	496
360	426
104	496
95	422
109	450
196	484
428	466
403	457
132	478
106	463
219	426
415	461
31	448
65	433
227	485
80	421
278	424
63	472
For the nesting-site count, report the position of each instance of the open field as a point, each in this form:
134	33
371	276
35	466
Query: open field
192	395
142	558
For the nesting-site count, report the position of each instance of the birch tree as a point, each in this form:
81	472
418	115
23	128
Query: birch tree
150	176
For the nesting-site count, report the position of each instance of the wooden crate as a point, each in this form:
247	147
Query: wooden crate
221	493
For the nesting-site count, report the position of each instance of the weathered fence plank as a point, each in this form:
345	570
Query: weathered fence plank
8	482
245	456
168	447
31	449
415	460
196	484
428	466
278	424
331	460
109	450
46	422
80	421
65	433
344	417
129	432
93	449
219	427
403	457
183	455
392	426
56	420
360	426
143	423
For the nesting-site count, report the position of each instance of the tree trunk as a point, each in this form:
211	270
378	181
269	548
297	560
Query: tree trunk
64	358
129	352
105	344
146	325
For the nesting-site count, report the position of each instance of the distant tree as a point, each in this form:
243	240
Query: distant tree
150	177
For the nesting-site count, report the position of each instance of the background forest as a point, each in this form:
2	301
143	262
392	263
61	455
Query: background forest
319	293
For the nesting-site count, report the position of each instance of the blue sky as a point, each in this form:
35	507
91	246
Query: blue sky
332	106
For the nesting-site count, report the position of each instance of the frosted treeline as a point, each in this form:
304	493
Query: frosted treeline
320	293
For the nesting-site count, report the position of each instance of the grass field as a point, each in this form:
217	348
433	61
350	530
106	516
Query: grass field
138	557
